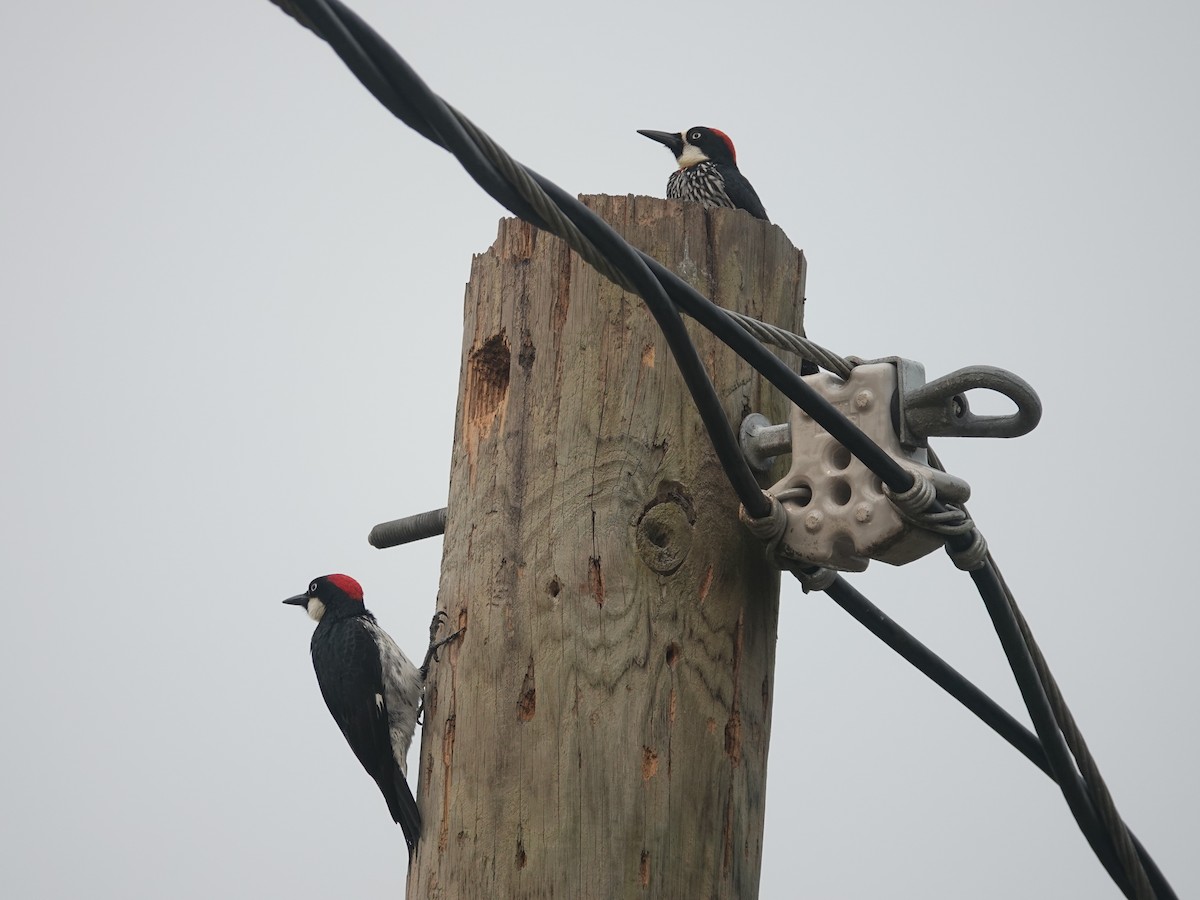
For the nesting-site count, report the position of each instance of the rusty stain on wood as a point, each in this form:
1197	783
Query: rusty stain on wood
649	763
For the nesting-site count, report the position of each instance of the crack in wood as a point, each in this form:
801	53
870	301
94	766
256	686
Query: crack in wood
596	578
527	702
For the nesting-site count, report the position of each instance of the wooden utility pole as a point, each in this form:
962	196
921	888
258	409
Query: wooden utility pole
601	729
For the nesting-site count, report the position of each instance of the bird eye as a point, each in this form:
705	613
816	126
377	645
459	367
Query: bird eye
312	588
695	136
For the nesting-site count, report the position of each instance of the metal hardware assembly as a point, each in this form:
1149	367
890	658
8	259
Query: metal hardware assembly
839	514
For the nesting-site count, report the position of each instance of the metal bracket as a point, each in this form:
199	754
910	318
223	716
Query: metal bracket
839	516
940	407
762	442
838	513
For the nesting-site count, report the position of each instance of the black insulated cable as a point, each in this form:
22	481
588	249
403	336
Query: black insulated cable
360	40
390	79
400	90
775	370
937	670
1062	765
399	78
991	713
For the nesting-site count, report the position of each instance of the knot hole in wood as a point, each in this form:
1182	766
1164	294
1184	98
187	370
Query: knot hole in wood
664	536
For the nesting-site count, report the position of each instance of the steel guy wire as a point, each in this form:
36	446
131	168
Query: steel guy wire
368	56
376	64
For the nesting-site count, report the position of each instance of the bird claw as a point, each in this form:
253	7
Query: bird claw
431	654
436	625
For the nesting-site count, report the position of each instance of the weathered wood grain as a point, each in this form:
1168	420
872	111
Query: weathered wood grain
601	730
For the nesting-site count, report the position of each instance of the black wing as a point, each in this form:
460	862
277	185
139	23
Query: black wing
743	195
350	675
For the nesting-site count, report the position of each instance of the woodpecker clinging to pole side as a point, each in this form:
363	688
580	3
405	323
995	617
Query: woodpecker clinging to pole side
708	171
372	689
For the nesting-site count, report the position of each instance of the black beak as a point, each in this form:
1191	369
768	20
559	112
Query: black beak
672	139
298	600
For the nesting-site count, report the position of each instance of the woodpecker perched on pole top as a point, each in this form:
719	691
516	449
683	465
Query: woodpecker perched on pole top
708	171
372	689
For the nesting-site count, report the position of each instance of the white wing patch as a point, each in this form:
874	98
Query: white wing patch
379	702
402	689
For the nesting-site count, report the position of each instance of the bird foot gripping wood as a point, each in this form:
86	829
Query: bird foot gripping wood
431	654
434	644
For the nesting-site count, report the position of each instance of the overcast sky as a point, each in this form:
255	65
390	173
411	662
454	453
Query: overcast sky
231	297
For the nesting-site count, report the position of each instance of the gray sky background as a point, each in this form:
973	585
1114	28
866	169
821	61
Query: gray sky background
231	305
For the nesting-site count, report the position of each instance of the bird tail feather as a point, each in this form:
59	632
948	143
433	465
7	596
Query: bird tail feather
403	807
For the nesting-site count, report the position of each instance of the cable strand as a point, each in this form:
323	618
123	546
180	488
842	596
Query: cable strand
545	205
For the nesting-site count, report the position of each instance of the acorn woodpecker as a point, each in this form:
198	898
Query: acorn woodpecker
708	171
372	689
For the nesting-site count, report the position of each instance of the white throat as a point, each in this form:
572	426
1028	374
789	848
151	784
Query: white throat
315	609
690	156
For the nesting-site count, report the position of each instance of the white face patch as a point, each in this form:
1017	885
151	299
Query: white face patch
691	155
315	608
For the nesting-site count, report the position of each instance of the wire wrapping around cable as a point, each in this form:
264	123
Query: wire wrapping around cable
382	71
451	133
545	205
1030	667
430	116
1058	756
969	695
1147	881
1126	860
773	334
